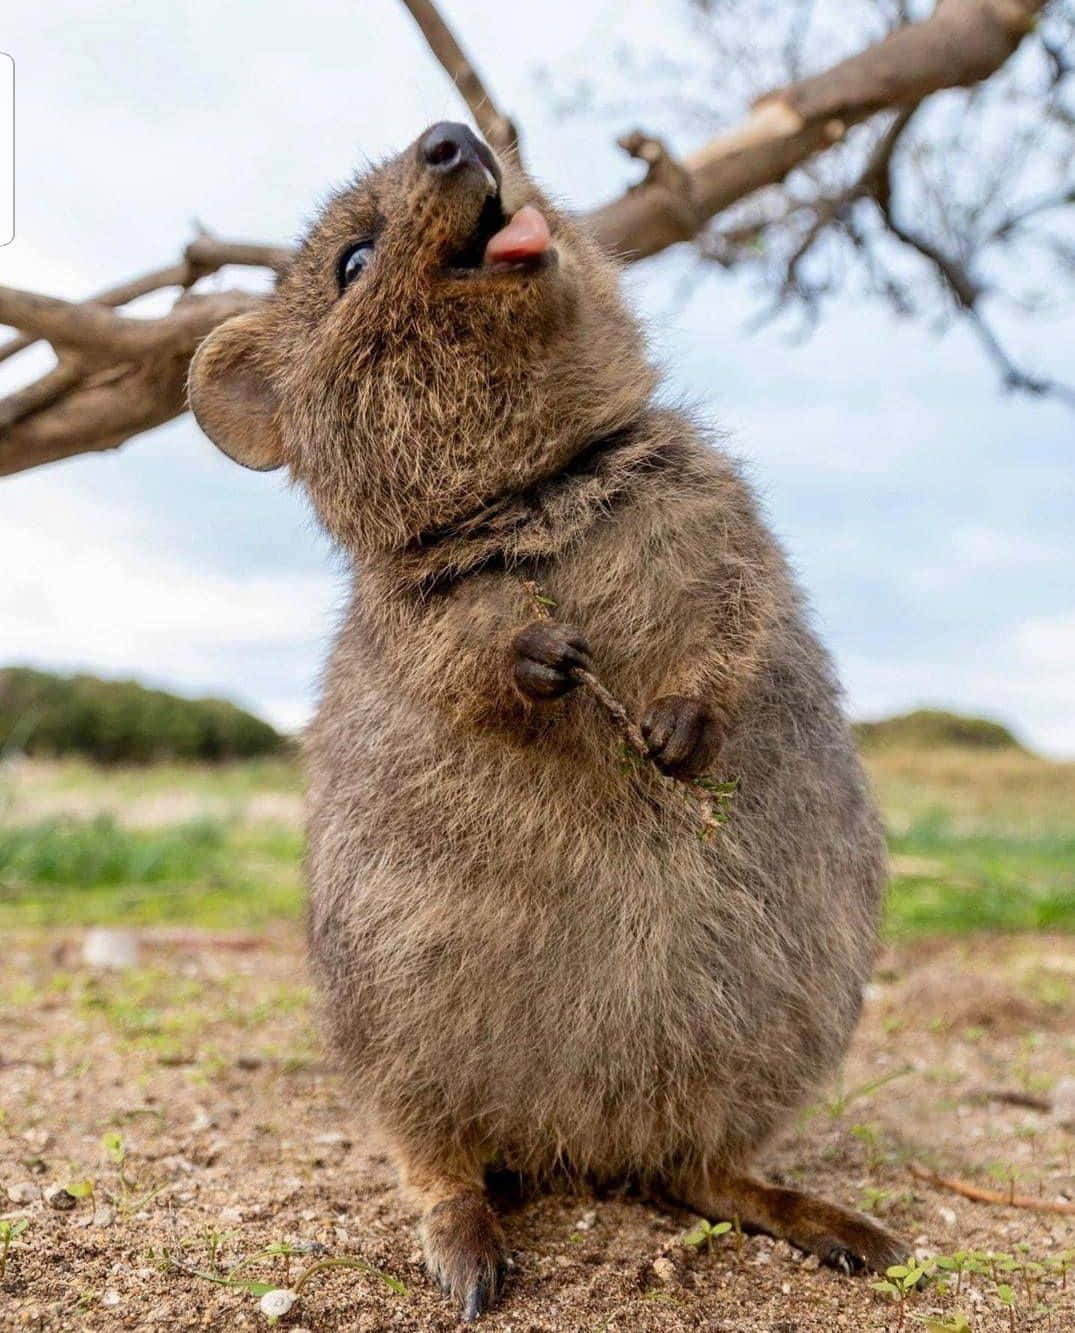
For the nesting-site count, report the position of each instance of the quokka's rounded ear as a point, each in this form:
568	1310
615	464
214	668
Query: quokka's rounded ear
232	397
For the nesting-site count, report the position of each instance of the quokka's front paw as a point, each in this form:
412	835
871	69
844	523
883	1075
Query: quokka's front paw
683	736
464	1250
545	654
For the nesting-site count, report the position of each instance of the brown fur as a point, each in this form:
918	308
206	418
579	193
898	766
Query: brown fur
527	954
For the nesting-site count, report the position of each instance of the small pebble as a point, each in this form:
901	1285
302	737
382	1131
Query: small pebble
115	950
276	1303
111	1297
811	1262
665	1270
586	1222
231	1215
57	1197
947	1215
22	1192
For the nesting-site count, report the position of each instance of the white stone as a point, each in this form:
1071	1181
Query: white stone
276	1303
115	950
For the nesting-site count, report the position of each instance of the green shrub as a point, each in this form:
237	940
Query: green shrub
113	721
934	728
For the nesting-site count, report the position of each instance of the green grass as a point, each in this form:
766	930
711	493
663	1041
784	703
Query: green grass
205	872
948	879
980	840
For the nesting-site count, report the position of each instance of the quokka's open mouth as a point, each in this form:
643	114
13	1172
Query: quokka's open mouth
499	244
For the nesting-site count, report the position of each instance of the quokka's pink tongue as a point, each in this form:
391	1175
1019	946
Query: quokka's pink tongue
525	237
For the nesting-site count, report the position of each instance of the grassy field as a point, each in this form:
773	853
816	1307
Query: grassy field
979	839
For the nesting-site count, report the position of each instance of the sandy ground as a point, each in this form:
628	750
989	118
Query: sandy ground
236	1135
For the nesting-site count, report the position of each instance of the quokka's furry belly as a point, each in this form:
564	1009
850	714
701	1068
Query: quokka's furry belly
552	963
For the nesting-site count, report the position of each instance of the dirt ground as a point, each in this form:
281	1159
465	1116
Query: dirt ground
190	1095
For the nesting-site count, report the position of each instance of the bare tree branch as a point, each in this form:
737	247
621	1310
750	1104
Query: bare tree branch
202	257
963	42
117	375
968	296
497	128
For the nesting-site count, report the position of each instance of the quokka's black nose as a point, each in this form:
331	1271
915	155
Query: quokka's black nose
447	147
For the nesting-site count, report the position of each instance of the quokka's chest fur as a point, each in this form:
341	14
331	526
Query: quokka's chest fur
539	943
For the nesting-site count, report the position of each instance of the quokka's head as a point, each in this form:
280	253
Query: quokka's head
443	336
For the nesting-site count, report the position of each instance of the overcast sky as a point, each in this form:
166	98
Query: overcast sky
931	517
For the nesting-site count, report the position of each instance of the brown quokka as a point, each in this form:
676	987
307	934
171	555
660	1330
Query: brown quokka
528	956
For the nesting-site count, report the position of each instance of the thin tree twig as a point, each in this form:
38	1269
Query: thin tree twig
708	798
998	1198
497	128
1011	1097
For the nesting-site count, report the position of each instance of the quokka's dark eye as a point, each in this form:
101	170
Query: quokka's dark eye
353	263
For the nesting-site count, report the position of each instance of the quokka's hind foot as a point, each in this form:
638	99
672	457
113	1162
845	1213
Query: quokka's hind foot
841	1238
461	1237
464	1250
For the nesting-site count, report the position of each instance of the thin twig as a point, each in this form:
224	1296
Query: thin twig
998	1198
1011	1097
440	39
708	798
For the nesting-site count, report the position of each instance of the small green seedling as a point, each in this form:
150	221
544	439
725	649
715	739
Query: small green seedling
705	1233
9	1232
958	1263
873	1198
898	1283
257	1287
870	1140
959	1323
129	1200
83	1189
843	1097
1006	1296
1060	1263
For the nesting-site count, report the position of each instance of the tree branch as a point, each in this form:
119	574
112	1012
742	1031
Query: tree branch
497	128
118	375
968	296
963	42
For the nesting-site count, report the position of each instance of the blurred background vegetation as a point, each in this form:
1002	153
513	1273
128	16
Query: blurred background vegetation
122	804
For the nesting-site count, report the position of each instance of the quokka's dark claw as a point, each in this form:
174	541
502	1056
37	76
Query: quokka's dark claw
845	1261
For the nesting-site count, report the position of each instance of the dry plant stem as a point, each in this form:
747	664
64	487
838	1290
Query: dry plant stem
1012	1097
700	799
999	1198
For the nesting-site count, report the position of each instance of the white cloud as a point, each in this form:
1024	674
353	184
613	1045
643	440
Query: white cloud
87	590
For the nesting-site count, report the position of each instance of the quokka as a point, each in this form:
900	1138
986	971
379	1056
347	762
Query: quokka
527	955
